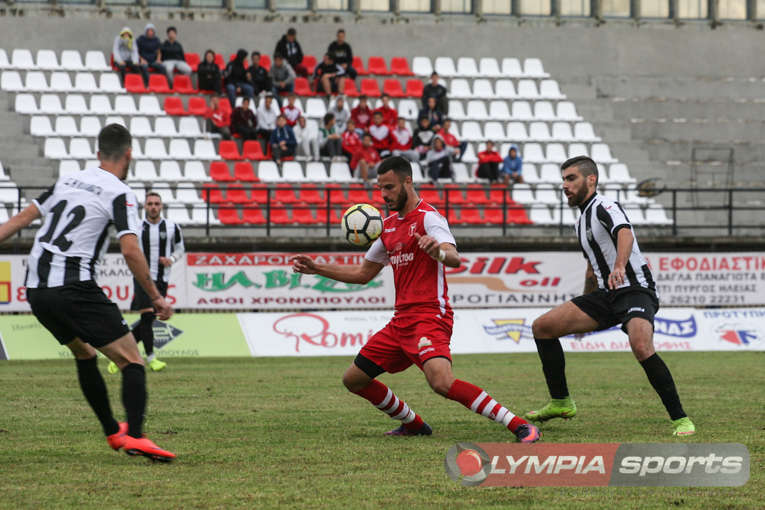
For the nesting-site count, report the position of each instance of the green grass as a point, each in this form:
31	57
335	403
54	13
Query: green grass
284	433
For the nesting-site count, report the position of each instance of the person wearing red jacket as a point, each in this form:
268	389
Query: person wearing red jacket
380	135
218	118
365	160
390	115
291	112
451	140
401	142
488	163
362	115
350	140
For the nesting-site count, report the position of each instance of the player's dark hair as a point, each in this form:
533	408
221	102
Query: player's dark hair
328	117
171	28
584	164
341	31
291	31
153	194
400	165
113	141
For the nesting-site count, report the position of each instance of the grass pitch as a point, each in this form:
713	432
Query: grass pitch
284	433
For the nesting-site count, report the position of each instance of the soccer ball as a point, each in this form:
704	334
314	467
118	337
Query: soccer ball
362	224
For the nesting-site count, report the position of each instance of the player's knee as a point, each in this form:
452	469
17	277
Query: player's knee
441	385
540	328
353	384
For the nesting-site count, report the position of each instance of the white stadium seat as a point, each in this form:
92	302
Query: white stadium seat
187	126
408	108
170	171
54	148
561	131
529	173
540	215
71	61
469	155
195	171
145	171
656	215
125	105
137	151
292	171
602	154
577	149
50	103
466	66
522	111
522	193
60	82
35	81
538	131
421	66
498	110
505	89
417	174
489	67
4	63
9	195
315	172
315	108
110	82
268	172
140	126
79	148
543	110
149	105
459	88
567	111
65	126
165	127
516	131
583	132
22	59
549	173
154	148
179	149
338	172
444	66
482	88
179	214
187	194
556	153
547	195
461	173
527	89
532	68
67	167
493	131
204	149
85	82
548	89
40	126
471	131
46	59
618	172
456	110
95	61
532	152
511	67
11	81
100	105
477	110
115	119
164	191
25	103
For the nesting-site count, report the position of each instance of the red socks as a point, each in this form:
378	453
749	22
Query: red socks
478	401
385	400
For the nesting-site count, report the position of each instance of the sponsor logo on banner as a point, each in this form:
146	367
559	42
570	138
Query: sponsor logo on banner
164	333
312	329
514	329
739	334
589	465
6	283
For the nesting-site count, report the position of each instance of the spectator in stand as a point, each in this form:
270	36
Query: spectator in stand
173	56
401	142
219	119
451	140
330	141
433	114
423	137
351	141
439	160
362	115
380	135
488	163
208	74
148	52
307	137
125	54
290	48
327	75
512	166
236	79
343	54
341	113
267	113
435	89
290	111
365	160
257	75
390	115
243	121
282	140
282	77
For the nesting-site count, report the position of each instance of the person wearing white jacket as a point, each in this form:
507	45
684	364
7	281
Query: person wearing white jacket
307	135
266	115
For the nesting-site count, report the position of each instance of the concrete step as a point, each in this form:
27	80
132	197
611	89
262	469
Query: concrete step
680	130
728	108
678	87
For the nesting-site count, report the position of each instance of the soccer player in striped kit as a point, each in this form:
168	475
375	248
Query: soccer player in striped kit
417	243
162	244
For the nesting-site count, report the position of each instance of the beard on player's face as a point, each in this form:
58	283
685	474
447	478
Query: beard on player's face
578	197
400	201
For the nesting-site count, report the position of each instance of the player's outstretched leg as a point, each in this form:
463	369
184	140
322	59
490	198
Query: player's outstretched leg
640	332
146	326
439	374
380	396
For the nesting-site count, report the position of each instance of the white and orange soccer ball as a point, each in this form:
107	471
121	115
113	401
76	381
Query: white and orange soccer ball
361	224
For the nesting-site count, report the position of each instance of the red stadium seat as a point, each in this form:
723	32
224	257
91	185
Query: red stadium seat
197	106
237	194
302	87
517	214
219	60
303	216
370	88
400	66
285	194
414	88
392	87
219	172
253	151
134	84
311	195
472	215
193	60
452	217
496	195
254	216
335	215
279	216
454	195
477	196
377	66
213	194
182	85
350	88
174	106
265	62
431	196
229	150
229	216
309	61
259	194
243	172
358	65
158	84
357	195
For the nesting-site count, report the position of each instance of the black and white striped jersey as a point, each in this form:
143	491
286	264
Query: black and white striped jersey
596	230
78	212
161	239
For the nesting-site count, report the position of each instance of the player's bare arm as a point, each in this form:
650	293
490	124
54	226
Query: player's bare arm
624	241
590	281
443	252
362	273
136	261
19	221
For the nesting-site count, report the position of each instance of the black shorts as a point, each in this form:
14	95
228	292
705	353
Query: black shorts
612	307
141	299
79	310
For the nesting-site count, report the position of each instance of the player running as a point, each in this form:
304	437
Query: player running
77	214
618	289
162	244
416	241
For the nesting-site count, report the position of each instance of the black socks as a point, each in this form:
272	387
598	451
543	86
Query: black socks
134	397
94	389
661	380
143	332
553	365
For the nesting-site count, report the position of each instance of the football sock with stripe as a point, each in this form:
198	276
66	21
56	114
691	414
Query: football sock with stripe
386	401
134	397
478	401
553	365
661	380
94	389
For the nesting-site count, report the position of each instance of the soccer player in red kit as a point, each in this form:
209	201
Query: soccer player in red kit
416	241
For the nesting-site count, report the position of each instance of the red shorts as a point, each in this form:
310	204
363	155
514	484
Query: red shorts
409	339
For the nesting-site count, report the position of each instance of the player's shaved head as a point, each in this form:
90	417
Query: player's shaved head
584	164
397	164
577	186
114	141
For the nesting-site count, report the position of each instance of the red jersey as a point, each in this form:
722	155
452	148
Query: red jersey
362	117
401	139
390	115
449	139
351	142
291	113
489	157
370	155
219	117
380	136
420	280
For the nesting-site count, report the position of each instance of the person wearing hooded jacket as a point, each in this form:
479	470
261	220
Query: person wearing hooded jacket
293	53
125	54
208	74
149	53
235	78
512	166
